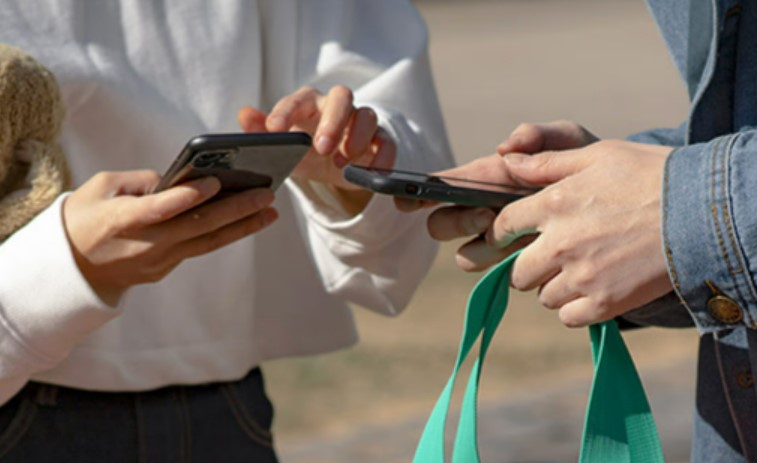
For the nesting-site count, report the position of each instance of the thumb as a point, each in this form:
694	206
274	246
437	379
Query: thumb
547	167
251	119
550	136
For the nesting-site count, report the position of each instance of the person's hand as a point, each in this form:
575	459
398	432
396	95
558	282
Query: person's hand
453	222
598	252
342	134
122	236
550	136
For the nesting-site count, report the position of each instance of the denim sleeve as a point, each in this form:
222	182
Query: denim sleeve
665	136
710	229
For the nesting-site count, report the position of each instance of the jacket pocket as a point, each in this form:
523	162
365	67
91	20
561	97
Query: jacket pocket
252	411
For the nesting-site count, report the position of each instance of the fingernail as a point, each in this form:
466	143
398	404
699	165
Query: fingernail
261	198
268	216
515	158
324	144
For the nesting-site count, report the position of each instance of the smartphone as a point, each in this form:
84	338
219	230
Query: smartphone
418	185
239	160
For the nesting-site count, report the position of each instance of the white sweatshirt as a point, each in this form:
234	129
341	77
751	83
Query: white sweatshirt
139	78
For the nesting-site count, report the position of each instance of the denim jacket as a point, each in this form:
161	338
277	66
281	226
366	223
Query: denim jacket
710	216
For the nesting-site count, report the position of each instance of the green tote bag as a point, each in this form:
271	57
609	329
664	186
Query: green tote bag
618	427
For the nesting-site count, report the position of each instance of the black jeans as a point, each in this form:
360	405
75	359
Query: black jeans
224	422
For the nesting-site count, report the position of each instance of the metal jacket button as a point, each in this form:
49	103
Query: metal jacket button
724	309
745	379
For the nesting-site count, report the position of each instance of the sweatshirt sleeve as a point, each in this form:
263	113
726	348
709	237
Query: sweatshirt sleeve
46	305
710	230
379	50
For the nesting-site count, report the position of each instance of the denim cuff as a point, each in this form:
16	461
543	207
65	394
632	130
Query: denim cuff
663	136
705	209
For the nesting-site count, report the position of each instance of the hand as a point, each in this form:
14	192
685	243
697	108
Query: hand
121	236
341	134
453	222
550	136
599	252
449	223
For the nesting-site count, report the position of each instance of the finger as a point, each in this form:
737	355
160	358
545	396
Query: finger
299	107
519	218
386	150
251	119
553	136
557	292
412	205
159	207
533	268
582	312
546	167
218	214
452	222
526	138
362	128
131	183
491	169
335	116
381	153
230	233
477	255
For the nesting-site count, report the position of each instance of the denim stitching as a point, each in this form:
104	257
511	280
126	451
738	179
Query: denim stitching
728	396
714	207
729	141
726	215
240	404
185	434
47	395
141	443
247	423
19	425
737	249
666	243
729	229
726	218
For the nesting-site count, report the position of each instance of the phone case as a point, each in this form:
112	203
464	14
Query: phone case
239	160
423	186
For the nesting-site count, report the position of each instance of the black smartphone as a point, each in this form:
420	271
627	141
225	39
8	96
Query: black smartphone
435	188
239	160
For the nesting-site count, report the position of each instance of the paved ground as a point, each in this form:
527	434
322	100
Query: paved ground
539	427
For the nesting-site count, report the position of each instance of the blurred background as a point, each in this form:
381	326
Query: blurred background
498	63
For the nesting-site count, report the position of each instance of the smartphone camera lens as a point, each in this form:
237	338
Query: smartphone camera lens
412	189
212	159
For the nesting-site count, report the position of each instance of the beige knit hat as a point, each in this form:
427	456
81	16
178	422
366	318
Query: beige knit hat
33	170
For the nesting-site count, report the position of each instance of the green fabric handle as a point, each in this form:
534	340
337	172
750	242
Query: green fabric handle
619	426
